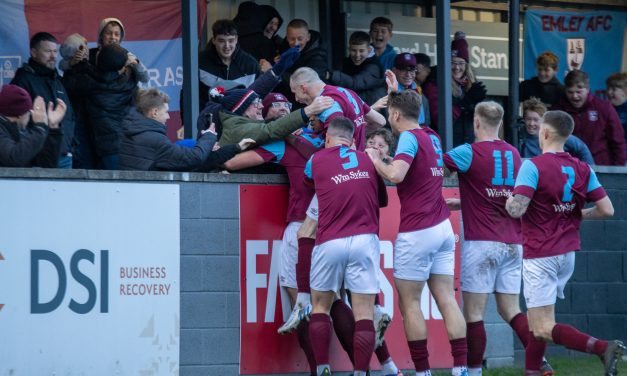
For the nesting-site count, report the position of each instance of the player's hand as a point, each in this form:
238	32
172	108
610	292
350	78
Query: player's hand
380	104
318	105
391	81
373	154
453	203
246	143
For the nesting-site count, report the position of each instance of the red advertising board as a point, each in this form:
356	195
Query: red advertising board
264	308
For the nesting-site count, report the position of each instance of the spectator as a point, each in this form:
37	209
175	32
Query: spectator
313	53
39	77
108	92
545	86
75	54
145	144
617	93
423	68
533	111
111	31
404	69
596	121
241	117
467	92
257	27
223	62
380	34
275	105
26	143
382	140
360	70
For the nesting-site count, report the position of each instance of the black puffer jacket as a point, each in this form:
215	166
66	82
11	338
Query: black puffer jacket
251	20
145	146
108	98
41	81
313	55
35	146
365	79
212	72
549	93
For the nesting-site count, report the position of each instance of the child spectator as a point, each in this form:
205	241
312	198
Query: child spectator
382	140
380	34
617	94
545	86
533	111
360	70
596	121
111	31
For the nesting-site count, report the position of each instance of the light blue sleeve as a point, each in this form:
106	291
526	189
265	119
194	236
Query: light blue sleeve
335	108
462	156
277	148
593	182
527	175
407	144
308	172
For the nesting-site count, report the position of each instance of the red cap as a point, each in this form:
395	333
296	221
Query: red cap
14	101
459	46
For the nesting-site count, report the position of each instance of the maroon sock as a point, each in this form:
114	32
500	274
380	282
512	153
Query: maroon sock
363	344
459	350
320	336
521	327
303	339
344	326
573	339
419	354
534	351
476	340
382	353
303	265
376	300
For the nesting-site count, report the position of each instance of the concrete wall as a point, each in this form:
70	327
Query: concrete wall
596	298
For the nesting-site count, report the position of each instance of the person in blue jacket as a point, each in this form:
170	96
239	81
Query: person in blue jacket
533	110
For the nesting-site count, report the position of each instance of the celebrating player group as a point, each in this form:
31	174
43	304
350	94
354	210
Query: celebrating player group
520	223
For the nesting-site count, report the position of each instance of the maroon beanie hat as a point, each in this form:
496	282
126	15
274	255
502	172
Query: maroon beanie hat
459	46
272	98
14	101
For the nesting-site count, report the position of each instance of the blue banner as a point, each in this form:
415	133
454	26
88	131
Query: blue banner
591	42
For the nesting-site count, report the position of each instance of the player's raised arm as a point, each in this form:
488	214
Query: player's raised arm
394	172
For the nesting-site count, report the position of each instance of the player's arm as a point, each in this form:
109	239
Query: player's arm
394	172
517	205
524	189
603	207
308	178
244	160
374	119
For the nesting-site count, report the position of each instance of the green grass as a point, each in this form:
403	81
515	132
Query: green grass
563	366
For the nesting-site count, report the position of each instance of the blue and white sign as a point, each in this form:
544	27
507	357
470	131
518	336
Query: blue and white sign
90	278
591	42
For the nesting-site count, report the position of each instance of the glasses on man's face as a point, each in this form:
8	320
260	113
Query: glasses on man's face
458	63
408	69
257	102
287	105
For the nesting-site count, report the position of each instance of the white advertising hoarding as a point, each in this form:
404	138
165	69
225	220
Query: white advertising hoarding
89	278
